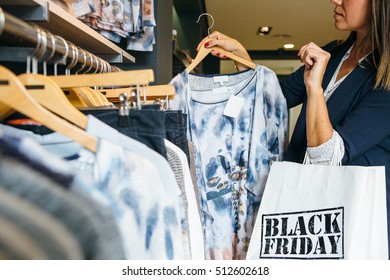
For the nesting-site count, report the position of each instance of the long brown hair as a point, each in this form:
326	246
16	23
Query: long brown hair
380	38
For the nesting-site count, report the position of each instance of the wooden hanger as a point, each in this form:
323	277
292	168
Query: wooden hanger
14	94
86	96
203	52
151	92
98	97
82	97
103	98
44	90
5	111
50	96
73	83
122	78
75	98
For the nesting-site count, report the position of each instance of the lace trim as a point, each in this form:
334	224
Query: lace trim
329	153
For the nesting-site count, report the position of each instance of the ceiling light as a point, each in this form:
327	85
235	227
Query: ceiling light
288	46
264	30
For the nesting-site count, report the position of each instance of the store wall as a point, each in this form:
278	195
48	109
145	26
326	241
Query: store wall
190	33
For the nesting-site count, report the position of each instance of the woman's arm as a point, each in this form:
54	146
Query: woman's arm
318	126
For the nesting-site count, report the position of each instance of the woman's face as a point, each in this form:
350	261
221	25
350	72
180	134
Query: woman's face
352	15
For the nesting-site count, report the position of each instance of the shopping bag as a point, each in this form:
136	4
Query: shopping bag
321	212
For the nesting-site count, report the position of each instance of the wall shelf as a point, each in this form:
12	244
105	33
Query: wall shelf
69	27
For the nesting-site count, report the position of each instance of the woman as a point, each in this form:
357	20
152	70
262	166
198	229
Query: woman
344	88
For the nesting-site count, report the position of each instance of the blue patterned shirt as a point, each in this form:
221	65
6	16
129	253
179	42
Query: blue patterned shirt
233	150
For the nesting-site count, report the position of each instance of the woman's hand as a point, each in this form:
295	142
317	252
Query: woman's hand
316	61
227	43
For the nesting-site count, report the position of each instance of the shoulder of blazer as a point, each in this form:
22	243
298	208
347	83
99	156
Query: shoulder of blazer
337	46
329	47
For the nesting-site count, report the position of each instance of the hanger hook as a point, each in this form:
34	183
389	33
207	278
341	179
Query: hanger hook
91	63
40	53
75	58
84	60
2	21
107	67
51	55
103	66
62	60
97	64
212	24
34	52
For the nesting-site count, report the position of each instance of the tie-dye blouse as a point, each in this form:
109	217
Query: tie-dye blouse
233	153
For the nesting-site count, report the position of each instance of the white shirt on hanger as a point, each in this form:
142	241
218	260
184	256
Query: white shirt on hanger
195	227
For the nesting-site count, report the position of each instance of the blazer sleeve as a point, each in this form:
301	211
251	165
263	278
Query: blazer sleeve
293	88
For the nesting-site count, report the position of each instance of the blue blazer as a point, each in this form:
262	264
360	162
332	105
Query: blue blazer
360	114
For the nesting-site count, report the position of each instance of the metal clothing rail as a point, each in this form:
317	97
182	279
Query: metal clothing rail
37	35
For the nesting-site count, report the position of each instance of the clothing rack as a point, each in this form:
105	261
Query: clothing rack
31	33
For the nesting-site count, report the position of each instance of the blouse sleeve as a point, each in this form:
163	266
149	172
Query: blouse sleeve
328	153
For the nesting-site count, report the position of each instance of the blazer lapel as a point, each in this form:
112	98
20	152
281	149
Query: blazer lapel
347	95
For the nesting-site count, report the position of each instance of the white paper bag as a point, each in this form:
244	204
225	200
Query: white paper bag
321	212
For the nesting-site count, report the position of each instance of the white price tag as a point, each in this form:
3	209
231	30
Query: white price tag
234	106
221	79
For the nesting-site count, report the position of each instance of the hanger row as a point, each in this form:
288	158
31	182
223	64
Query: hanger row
54	100
44	40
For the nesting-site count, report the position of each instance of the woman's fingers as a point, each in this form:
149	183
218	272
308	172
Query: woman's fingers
312	53
315	60
213	40
227	44
209	43
202	43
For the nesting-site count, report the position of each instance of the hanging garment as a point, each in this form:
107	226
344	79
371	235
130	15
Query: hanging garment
113	12
28	233
191	150
238	125
81	8
144	43
145	126
161	190
92	225
142	38
179	164
132	20
135	189
149	126
176	130
52	142
24	150
175	164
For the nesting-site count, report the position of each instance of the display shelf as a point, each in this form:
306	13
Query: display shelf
69	27
23	2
